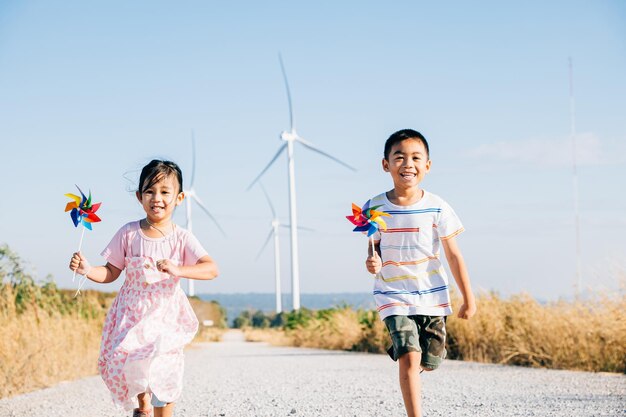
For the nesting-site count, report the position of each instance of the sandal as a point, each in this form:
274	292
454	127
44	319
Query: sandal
137	412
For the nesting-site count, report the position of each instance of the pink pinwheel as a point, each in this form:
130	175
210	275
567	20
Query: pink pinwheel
82	211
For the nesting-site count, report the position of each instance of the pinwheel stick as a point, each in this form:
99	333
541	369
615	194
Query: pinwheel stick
368	220
80	245
82	212
82	281
80	285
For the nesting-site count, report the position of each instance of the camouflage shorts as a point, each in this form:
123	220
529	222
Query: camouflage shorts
425	334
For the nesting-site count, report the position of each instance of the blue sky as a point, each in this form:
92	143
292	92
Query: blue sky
90	92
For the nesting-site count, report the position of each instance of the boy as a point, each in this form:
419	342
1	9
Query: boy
411	287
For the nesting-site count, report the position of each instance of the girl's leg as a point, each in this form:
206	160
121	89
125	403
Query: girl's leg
144	401
167	411
410	383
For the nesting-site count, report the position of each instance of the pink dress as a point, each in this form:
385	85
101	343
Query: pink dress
150	320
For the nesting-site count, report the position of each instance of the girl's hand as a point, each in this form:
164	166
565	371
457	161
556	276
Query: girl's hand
79	264
167	266
373	263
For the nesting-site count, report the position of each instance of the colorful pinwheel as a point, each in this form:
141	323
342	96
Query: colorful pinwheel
368	219
82	211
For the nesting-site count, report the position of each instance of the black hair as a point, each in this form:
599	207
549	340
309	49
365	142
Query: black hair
155	171
404	134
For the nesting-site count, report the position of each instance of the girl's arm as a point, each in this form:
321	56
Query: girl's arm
204	269
101	274
461	276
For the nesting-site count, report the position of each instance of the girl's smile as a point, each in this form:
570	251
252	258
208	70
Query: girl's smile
160	200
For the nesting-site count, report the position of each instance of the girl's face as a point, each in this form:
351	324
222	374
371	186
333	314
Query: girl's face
160	200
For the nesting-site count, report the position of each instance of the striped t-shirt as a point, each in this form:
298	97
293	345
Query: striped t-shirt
412	279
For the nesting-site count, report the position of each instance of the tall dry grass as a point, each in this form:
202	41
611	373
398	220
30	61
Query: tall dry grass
48	336
42	346
276	337
585	335
209	312
339	328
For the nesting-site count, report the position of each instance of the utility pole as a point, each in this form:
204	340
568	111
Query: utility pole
578	282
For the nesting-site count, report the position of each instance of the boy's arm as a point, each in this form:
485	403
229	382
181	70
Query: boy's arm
461	276
374	262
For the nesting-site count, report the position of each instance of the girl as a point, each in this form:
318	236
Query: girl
150	321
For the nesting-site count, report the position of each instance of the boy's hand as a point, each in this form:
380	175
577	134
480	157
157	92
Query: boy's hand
79	264
373	263
467	310
167	266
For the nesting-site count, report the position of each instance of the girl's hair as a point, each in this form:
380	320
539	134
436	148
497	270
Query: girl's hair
404	134
156	170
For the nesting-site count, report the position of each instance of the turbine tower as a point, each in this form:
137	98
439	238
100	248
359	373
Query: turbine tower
290	137
274	233
190	194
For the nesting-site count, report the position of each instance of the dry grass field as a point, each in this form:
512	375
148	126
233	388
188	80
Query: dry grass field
585	335
49	336
42	346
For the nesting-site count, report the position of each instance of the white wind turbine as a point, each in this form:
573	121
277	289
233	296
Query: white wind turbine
190	194
274	233
290	137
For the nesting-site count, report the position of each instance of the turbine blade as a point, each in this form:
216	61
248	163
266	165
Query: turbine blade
280	150
267	240
307	229
193	158
316	149
208	213
292	121
267	197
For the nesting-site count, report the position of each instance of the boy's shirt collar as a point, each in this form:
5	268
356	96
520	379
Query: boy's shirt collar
420	200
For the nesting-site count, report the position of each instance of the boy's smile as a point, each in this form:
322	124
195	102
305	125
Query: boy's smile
408	163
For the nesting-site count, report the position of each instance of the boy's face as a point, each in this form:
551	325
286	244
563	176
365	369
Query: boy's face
408	163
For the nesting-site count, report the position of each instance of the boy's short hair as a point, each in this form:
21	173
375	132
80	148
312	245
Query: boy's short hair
404	134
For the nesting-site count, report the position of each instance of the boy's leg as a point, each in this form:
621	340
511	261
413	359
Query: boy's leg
410	383
432	341
406	349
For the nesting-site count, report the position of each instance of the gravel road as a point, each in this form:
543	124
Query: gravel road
238	379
